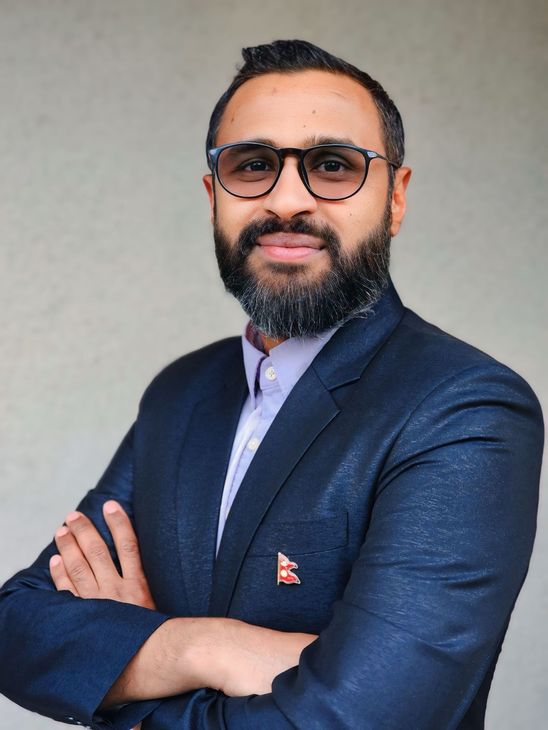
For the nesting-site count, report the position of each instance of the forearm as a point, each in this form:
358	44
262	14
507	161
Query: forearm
183	654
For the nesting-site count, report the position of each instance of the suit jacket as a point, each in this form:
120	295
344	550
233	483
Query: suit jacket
401	474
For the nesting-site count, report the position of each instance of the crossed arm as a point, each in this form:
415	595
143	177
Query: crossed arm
411	641
183	654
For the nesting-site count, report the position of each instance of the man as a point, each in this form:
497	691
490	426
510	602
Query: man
323	524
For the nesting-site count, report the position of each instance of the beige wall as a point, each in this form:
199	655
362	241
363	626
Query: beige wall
106	260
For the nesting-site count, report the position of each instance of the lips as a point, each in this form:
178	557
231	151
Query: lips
289	246
290	240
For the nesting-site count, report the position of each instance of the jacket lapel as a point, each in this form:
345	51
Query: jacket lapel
308	409
286	441
203	464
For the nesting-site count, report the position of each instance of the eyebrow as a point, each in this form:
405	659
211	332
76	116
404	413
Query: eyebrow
308	142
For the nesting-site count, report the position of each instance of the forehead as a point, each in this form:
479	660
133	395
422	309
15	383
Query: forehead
293	108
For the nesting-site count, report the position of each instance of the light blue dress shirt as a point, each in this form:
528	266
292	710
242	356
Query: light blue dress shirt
270	379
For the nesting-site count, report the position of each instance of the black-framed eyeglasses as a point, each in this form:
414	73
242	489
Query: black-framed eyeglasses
329	171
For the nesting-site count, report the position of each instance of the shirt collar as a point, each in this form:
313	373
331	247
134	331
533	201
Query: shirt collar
290	358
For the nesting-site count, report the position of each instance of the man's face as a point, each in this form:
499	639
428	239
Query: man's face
299	264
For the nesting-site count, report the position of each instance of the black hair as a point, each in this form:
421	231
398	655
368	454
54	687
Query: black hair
297	55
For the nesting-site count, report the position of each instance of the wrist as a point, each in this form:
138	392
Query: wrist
205	656
162	666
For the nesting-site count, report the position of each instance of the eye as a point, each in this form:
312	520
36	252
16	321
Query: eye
255	165
332	162
330	166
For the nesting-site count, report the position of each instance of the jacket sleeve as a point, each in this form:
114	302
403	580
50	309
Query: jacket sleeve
60	654
429	598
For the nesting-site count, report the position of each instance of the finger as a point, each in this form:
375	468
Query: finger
93	547
59	575
76	565
125	540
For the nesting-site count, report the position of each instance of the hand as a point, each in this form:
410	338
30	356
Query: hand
85	566
252	656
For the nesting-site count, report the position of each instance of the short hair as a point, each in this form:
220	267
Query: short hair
296	55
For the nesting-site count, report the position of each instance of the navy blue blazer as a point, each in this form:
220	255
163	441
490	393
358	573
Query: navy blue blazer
401	474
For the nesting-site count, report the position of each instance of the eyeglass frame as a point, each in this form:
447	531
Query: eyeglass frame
214	153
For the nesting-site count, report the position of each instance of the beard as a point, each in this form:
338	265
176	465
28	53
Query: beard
284	299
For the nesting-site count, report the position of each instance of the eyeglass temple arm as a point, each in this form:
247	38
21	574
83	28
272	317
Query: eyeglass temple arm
371	154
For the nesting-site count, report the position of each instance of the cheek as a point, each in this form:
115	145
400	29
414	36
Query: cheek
361	214
348	221
232	213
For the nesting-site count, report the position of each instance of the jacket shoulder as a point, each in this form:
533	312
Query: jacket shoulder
440	356
207	366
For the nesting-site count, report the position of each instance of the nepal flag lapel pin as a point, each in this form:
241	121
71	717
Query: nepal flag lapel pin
285	570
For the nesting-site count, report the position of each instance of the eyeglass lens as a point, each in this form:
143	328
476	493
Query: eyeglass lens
249	170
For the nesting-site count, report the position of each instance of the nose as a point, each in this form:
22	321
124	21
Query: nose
289	197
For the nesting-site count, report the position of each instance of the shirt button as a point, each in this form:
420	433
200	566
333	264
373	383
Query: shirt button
253	444
270	373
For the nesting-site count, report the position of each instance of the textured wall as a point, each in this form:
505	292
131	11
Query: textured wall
106	259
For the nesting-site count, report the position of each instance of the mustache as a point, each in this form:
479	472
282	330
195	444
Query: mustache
249	235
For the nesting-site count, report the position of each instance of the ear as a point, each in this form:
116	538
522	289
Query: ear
398	206
209	186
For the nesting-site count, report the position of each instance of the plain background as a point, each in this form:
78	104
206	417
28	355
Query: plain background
107	264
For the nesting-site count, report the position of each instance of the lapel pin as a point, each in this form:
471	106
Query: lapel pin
285	570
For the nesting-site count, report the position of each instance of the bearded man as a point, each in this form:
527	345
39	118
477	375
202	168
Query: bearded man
324	523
